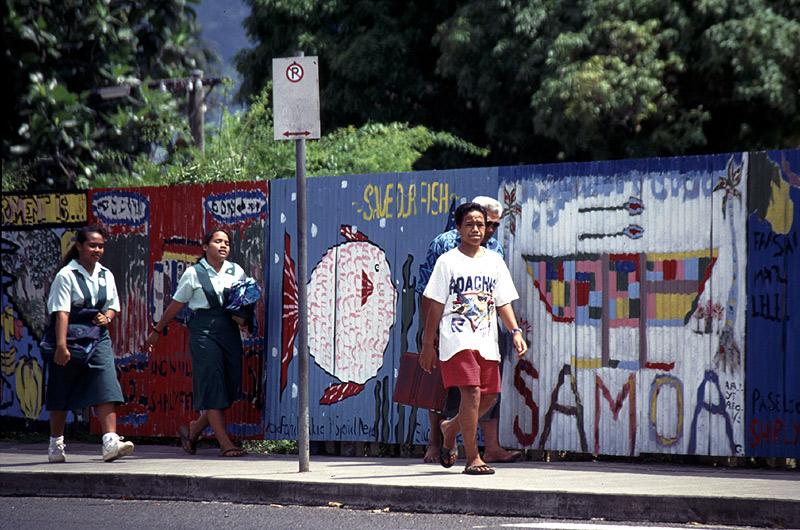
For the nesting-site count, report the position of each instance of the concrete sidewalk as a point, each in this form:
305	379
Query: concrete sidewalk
567	490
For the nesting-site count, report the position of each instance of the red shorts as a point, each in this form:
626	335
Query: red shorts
468	368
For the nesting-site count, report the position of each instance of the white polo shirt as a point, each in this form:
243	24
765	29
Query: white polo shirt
190	291
65	291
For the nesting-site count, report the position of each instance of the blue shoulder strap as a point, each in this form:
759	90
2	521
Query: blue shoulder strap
87	297
205	283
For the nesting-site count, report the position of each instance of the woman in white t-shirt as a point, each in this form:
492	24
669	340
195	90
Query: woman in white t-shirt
215	342
469	288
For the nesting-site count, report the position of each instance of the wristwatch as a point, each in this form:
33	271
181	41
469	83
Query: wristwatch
516	330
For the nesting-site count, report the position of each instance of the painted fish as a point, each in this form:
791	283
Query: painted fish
351	310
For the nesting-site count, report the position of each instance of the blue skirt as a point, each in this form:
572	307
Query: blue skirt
76	385
216	348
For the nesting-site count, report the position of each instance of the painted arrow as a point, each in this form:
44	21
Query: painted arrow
634	205
631	231
298	133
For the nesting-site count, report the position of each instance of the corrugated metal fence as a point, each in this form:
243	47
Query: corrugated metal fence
660	299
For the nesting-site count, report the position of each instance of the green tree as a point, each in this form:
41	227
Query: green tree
243	148
58	132
377	61
622	78
548	79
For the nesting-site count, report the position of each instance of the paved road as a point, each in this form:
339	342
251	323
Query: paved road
561	490
32	513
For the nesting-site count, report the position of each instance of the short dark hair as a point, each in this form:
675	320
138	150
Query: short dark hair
467	207
208	236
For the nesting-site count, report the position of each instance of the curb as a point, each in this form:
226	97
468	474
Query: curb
547	505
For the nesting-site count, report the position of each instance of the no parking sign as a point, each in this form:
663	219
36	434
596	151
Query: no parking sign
295	98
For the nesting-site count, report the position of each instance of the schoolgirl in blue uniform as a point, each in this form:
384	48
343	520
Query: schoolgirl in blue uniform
215	342
84	287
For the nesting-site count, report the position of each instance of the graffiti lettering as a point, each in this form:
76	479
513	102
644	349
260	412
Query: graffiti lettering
355	427
48	209
772	432
236	206
770	275
121	208
769	307
779	244
664	185
379	204
435	196
289	430
569	410
524	438
713	407
169	401
283	428
400	201
406	201
733	390
628	391
768	299
167	367
774	402
660	383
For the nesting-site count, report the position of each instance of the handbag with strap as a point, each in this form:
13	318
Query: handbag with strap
82	334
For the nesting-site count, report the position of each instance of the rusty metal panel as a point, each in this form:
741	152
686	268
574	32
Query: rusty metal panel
155	233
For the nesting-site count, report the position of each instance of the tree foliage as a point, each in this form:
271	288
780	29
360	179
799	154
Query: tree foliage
377	60
547	79
58	132
242	148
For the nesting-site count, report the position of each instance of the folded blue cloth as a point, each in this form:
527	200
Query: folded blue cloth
240	300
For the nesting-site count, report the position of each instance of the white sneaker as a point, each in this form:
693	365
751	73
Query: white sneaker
55	452
116	448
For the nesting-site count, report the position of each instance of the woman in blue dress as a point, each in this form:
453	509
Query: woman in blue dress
215	342
84	290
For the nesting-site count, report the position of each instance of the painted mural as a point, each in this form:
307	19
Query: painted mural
156	234
632	281
772	384
153	237
659	298
635	296
367	236
36	230
634	290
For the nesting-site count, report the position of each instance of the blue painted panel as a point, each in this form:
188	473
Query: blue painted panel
362	308
773	313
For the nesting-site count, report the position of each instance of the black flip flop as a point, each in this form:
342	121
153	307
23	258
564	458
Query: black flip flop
482	469
448	457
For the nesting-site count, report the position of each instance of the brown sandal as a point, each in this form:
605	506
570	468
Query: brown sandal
232	452
188	445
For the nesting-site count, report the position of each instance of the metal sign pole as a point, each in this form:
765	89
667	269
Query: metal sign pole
302	325
295	86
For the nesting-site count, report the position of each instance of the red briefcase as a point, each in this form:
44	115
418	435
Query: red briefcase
417	388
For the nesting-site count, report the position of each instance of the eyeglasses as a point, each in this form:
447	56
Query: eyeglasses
493	224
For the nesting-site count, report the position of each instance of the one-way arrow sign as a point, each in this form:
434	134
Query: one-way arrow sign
295	98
